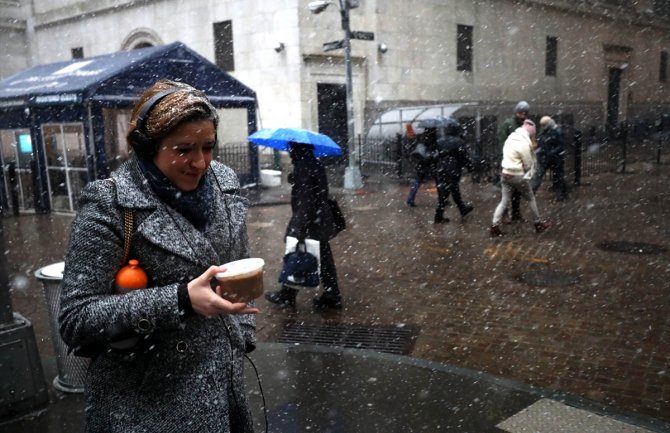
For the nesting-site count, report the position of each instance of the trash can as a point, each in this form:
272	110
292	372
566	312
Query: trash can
270	178
71	369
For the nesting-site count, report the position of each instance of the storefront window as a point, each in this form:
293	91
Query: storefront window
66	164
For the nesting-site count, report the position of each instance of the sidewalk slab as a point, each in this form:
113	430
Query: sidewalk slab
320	389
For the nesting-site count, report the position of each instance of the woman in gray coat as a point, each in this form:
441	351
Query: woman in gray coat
185	373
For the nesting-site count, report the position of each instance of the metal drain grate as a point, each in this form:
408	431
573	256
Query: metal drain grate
631	247
390	339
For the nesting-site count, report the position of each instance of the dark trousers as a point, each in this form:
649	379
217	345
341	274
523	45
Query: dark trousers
422	175
448	185
328	271
516	205
555	164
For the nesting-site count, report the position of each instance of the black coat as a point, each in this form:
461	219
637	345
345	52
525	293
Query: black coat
452	157
550	142
311	217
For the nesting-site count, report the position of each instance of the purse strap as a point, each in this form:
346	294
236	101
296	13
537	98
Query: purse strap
128	217
127	232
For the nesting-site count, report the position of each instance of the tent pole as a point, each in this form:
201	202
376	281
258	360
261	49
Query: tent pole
91	142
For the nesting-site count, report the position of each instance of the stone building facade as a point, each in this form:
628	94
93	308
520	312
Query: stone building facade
596	61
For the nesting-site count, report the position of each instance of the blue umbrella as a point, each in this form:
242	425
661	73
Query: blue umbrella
279	138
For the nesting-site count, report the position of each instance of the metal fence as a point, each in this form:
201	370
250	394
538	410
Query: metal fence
589	153
595	151
601	152
235	155
389	157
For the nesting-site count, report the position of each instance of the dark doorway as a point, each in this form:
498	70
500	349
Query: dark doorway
332	108
613	91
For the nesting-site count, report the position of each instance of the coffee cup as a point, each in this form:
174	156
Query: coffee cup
242	281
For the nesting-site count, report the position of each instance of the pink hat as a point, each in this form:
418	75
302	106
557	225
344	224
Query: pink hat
529	126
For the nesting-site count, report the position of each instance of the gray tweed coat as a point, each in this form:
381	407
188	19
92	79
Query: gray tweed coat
184	375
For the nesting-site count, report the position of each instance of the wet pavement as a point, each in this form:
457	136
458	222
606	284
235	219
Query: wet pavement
555	315
330	389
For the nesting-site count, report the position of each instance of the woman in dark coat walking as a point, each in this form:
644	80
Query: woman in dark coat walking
550	156
186	371
452	156
311	219
423	157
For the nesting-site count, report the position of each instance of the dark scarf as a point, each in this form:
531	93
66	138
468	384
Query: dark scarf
195	206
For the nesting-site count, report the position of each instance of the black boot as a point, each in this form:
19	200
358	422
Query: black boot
439	217
285	297
496	232
331	300
541	227
466	210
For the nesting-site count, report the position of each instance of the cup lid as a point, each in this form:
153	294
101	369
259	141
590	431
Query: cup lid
241	267
53	271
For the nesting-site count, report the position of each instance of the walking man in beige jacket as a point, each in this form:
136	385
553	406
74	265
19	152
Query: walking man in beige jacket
518	167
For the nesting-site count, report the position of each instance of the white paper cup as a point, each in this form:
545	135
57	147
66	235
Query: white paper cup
242	281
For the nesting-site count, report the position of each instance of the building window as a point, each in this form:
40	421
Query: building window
464	48
78	53
223	45
142	45
663	68
552	56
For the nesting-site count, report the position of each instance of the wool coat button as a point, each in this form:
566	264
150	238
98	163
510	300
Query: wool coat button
144	325
182	346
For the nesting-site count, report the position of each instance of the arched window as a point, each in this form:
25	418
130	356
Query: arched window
141	38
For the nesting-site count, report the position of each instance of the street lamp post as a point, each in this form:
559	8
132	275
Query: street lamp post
352	174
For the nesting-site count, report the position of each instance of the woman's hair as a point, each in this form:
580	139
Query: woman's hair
183	104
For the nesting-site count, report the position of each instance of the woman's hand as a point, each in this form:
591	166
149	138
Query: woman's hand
209	303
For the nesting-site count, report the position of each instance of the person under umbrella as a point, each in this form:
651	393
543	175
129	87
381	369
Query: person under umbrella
452	156
423	157
311	219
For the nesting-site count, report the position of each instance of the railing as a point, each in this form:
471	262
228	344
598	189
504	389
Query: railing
235	155
595	151
601	152
388	157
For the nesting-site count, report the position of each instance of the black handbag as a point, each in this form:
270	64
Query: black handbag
338	217
300	268
419	154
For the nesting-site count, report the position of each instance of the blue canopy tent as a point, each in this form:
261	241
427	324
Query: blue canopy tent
55	125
